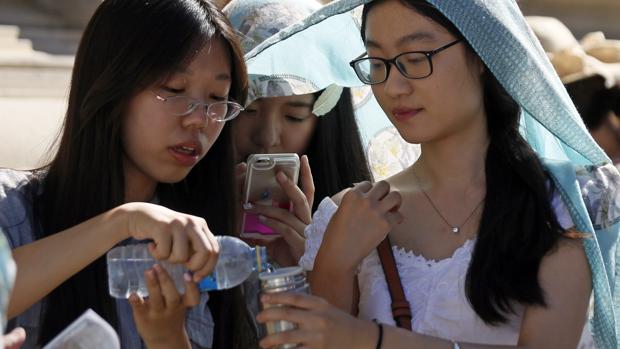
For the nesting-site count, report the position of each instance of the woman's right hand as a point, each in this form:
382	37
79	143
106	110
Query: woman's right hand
177	237
289	246
319	324
366	214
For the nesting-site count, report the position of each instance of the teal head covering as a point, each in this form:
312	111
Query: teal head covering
322	45
305	67
257	20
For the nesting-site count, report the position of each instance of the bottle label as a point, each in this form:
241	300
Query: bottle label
209	283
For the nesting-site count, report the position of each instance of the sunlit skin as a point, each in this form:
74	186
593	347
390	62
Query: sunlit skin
445	113
437	107
275	125
160	147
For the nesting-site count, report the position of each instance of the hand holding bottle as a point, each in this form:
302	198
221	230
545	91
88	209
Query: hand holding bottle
128	264
177	237
160	319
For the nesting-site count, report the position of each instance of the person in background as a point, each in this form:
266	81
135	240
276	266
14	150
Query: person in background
590	71
145	153
599	107
288	115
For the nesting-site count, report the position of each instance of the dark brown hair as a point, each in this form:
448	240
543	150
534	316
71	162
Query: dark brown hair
128	46
335	151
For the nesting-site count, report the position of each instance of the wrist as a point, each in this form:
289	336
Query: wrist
367	335
334	262
176	340
119	218
336	254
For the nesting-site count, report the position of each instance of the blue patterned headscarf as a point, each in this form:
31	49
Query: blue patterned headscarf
323	44
257	20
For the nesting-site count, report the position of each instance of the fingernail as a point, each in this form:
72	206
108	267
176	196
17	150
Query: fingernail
281	177
262	218
187	277
157	268
248	206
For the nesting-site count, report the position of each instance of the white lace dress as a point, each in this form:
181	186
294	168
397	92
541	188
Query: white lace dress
434	289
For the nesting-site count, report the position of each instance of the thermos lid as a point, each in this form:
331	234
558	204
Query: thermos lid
280	273
282	277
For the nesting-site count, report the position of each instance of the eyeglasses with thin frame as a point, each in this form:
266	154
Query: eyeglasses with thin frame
183	105
412	65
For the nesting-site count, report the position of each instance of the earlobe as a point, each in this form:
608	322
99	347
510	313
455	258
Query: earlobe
481	67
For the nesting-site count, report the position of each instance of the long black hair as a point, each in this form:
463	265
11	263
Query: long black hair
128	46
594	100
335	151
518	226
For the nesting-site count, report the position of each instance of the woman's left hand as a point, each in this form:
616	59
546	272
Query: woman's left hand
289	247
160	318
320	325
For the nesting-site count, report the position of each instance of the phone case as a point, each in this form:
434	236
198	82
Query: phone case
261	188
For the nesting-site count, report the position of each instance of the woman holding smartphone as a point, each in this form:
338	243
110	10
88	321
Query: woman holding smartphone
504	228
289	115
145	153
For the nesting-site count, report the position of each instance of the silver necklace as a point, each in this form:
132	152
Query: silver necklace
454	228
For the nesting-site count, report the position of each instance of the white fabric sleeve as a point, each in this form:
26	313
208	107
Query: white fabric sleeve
315	231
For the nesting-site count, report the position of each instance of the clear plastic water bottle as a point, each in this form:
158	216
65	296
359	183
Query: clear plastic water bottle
237	260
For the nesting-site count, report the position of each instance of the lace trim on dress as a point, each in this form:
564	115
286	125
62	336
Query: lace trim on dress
314	232
414	259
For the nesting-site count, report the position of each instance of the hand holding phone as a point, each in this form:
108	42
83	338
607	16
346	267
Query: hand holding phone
262	188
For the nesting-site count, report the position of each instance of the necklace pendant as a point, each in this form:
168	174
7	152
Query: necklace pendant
455	230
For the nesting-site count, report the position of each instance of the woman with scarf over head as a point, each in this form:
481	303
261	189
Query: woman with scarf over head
502	228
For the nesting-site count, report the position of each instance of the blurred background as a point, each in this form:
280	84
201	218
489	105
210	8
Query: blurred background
39	38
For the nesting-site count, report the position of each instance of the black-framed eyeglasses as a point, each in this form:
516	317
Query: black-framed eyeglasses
412	65
184	105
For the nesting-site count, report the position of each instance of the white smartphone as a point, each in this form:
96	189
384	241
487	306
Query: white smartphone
261	188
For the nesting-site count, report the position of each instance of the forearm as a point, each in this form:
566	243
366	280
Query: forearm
336	285
44	264
396	338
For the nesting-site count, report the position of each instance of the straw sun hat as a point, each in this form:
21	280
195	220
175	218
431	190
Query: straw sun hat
575	60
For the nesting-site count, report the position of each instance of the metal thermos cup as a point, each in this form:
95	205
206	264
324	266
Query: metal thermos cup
291	279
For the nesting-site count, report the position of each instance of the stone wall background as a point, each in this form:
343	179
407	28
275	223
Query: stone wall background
580	16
